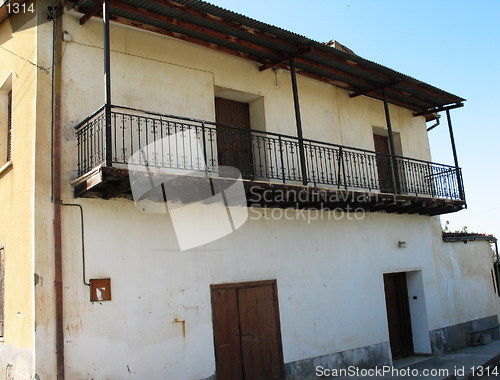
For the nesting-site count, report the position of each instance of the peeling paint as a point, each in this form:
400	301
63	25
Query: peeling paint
74	329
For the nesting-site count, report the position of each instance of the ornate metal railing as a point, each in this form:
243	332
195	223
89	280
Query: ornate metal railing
166	141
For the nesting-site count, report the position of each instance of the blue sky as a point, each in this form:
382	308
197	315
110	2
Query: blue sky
453	45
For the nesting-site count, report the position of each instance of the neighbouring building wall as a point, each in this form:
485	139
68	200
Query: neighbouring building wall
18	74
463	277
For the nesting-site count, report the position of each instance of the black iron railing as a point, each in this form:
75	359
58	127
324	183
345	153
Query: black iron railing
166	141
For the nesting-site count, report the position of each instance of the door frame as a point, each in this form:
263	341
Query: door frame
246	285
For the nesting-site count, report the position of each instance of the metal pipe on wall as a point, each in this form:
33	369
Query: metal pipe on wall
107	81
394	164
455	157
57	31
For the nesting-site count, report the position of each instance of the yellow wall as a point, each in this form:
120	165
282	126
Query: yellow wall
16	199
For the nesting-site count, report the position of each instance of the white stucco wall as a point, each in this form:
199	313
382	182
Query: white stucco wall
329	275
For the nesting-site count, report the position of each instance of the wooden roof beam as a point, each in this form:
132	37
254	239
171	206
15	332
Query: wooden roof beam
438	109
215	19
285	58
274	39
378	73
373	89
193	27
190	26
91	12
257	47
184	37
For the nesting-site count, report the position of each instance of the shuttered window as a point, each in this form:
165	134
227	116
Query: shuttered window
2	280
9	126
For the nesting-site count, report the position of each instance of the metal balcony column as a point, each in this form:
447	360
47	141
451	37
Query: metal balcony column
107	83
455	157
394	163
298	123
497	266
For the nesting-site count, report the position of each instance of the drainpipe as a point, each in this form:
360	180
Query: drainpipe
298	122
434	125
57	13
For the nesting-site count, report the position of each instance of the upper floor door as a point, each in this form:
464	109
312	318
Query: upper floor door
383	163
234	145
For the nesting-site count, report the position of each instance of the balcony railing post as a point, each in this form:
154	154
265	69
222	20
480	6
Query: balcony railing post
341	167
204	148
431	180
107	83
282	159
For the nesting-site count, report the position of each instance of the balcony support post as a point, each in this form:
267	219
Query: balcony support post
497	267
107	83
394	163
455	157
298	122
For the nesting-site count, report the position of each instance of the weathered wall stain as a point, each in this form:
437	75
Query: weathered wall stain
183	323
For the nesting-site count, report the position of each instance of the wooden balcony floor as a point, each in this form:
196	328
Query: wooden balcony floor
110	182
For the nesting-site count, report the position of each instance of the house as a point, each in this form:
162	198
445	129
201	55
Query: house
229	200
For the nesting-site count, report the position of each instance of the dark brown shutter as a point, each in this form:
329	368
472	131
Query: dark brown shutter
2	277
9	127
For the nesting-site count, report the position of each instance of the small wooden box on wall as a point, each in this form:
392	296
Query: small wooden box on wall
100	290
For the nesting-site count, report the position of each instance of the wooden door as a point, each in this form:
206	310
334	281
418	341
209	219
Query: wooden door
234	145
398	315
247	333
383	163
227	334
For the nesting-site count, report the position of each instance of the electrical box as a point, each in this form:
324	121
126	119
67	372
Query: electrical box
100	290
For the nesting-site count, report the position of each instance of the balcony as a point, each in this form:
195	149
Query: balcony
189	149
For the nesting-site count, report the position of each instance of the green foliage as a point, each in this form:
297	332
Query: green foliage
464	230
